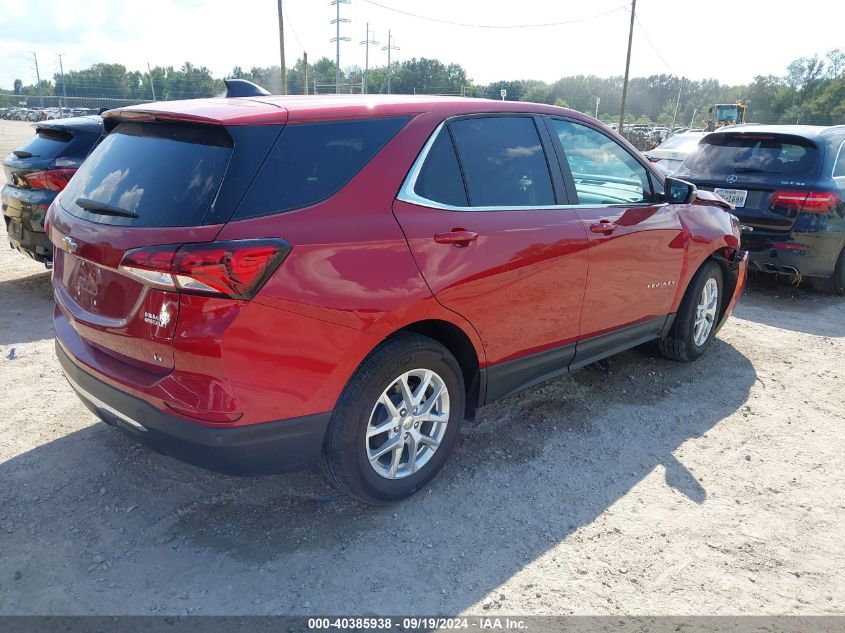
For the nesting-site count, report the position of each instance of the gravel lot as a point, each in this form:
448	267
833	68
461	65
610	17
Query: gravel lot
655	488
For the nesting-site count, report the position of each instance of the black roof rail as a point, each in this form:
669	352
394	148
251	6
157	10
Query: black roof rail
243	88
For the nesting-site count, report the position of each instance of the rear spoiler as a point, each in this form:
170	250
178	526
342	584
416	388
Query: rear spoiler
254	110
92	124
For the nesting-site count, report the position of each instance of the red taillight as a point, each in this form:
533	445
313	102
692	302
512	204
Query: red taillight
52	179
795	248
236	268
820	202
807	201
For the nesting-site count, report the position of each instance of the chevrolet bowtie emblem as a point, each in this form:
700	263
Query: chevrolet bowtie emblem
69	244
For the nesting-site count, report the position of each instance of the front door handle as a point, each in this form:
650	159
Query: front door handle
458	237
604	226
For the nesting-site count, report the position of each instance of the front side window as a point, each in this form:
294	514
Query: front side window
503	162
604	172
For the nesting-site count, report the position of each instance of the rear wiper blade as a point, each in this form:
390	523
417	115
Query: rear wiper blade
23	154
94	206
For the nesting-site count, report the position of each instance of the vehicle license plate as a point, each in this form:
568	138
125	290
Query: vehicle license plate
735	196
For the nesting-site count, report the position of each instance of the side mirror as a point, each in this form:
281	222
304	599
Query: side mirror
683	192
678	191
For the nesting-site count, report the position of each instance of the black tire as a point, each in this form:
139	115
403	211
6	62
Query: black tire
835	284
345	460
680	343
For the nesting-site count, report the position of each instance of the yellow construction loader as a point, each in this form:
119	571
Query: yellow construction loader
723	114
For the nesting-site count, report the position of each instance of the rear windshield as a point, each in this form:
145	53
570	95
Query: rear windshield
762	154
681	142
312	161
45	144
166	174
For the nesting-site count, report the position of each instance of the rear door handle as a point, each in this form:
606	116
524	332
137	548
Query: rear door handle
605	226
458	237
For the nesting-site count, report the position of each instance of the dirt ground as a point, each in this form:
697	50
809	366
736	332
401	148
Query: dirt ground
656	488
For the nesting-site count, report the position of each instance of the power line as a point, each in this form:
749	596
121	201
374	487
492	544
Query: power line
292	30
653	47
493	26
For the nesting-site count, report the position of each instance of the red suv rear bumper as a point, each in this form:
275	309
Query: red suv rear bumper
270	447
282	374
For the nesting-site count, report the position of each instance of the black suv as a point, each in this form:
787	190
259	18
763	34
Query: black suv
36	172
788	185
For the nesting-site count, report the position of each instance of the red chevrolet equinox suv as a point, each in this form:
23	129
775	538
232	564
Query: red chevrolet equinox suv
265	284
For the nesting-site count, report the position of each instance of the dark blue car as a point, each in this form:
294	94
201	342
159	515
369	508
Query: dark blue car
36	172
788	185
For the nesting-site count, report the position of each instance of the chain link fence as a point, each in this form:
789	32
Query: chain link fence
16	107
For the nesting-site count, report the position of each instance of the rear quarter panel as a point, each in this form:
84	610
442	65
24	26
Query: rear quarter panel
350	264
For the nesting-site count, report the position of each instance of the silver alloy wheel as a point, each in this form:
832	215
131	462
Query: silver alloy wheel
705	313
407	424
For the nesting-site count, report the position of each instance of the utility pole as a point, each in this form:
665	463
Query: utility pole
627	66
598	101
677	103
37	79
366	42
305	72
64	90
284	88
388	48
152	86
338	39
692	120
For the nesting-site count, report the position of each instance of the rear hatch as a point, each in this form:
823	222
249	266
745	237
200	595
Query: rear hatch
148	188
767	176
44	164
56	146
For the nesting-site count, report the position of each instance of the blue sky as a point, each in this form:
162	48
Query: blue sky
730	41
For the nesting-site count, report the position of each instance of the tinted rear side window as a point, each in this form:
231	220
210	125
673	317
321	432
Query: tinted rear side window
312	161
755	154
503	162
440	178
168	174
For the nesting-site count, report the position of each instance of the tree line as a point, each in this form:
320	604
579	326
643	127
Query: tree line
812	90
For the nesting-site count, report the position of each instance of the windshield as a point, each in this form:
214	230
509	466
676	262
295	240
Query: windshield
727	113
727	154
681	142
